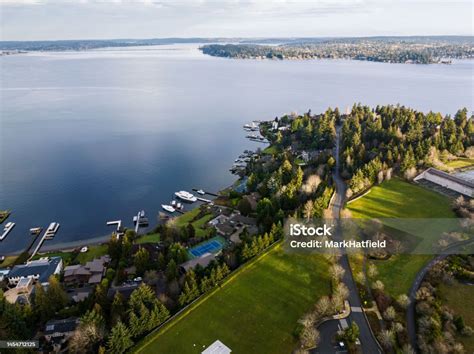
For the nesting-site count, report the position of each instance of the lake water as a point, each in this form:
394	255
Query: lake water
88	137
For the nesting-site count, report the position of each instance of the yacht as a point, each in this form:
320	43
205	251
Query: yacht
168	208
186	196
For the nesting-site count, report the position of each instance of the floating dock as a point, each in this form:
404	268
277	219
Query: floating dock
6	230
115	222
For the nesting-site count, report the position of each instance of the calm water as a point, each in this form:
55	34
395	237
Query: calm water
95	136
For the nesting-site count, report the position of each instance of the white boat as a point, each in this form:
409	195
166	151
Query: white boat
142	213
179	206
173	203
168	208
201	192
84	249
186	196
9	224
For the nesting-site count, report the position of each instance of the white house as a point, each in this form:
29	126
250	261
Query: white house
448	181
217	348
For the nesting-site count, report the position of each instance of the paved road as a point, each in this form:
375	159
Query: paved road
411	320
330	328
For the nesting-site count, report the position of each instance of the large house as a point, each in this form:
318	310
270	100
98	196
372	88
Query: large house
447	181
39	270
90	273
21	293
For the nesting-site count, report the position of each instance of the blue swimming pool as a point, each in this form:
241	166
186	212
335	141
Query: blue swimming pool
213	245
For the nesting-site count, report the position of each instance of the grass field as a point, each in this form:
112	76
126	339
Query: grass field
94	252
455	296
9	260
256	311
149	238
460	162
399	199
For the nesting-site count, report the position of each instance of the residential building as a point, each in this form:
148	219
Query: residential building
21	293
39	270
59	331
90	273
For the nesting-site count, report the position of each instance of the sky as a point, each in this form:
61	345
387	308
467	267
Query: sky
108	19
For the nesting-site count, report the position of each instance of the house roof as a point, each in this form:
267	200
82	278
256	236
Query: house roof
217	348
43	268
237	218
447	176
61	326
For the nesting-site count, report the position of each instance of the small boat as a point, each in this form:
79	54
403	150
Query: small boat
84	249
201	192
179	206
142	213
186	196
173	203
168	208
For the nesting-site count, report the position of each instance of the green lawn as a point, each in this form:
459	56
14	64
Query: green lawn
67	257
460	162
149	238
399	199
187	217
270	150
455	296
255	311
9	260
94	252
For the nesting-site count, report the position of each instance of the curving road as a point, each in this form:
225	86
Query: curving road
411	318
330	328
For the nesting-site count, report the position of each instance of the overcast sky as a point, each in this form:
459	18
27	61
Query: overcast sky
100	19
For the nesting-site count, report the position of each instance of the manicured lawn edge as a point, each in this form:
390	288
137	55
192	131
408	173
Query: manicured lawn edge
188	309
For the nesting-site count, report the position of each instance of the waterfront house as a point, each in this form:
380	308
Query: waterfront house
21	293
39	270
90	273
58	332
446	181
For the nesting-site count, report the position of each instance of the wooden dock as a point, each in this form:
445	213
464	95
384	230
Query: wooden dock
206	192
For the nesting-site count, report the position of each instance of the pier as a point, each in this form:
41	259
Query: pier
48	235
204	200
8	227
206	192
115	222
